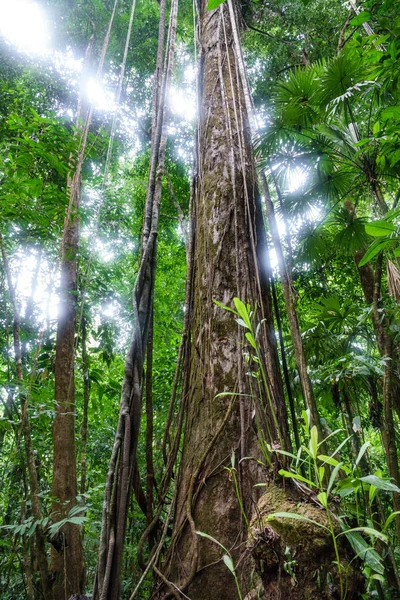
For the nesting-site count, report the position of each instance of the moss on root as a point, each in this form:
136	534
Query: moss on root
308	570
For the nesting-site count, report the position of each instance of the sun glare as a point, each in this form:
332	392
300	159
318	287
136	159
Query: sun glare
101	97
23	24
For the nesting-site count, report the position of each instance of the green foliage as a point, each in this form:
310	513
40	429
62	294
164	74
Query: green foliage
332	120
315	465
213	4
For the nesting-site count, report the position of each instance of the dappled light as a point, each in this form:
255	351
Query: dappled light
199	300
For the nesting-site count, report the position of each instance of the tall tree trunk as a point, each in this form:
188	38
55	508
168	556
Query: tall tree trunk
67	564
150	478
225	266
86	398
120	476
290	303
66	556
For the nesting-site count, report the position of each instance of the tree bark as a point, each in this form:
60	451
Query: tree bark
66	556
227	241
122	464
67	564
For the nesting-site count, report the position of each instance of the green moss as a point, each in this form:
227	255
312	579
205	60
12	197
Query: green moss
311	551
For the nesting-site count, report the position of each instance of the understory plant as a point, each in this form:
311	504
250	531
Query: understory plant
349	496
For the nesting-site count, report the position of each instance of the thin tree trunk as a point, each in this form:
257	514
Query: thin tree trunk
67	564
285	369
27	557
356	444
290	302
150	476
67	558
123	460
86	398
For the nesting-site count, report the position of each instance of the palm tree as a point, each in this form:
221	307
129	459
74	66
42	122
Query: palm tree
328	120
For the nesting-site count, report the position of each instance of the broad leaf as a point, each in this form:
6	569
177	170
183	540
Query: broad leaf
209	537
380	484
379	228
367	554
360	19
368	531
363	450
373	250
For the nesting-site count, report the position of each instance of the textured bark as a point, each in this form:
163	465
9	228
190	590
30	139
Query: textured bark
66	556
67	563
225	266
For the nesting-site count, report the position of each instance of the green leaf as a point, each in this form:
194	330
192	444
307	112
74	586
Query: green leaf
251	340
296	476
380	484
212	4
321	473
306	417
229	563
314	441
330	435
367	554
278	451
379	228
390	518
338	449
323	498
368	531
328	459
376	128
360	19
76	510
287	515
361	453
209	537
242	310
333	476
224	307
373	250
77	520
